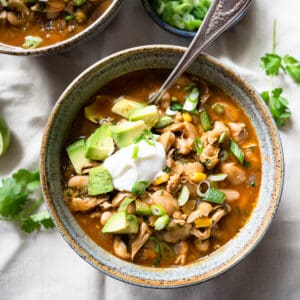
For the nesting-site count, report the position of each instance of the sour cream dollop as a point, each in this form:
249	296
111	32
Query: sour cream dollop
126	171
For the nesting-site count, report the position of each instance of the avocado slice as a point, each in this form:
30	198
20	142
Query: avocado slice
100	144
125	133
76	153
121	222
93	112
148	114
100	181
124	107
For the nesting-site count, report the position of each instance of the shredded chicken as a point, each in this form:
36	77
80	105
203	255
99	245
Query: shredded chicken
239	131
86	203
143	236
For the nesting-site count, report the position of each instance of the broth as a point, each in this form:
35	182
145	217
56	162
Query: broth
138	85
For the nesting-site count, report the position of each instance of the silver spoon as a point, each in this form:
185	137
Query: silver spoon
221	15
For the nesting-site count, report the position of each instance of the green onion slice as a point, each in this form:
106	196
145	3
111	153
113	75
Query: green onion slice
223	155
158	210
161	222
5	136
217	177
183	196
199	145
222	137
237	151
218	108
205	121
215	196
32	42
191	101
135	152
139	188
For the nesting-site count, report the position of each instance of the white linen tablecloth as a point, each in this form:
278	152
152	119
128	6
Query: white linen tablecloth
42	266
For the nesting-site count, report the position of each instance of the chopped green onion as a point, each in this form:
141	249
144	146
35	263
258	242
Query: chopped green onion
183	196
135	152
205	121
158	210
223	155
79	2
164	122
176	106
161	222
199	145
142	208
237	151
217	177
218	108
69	18
32	42
139	188
124	204
222	137
215	196
191	101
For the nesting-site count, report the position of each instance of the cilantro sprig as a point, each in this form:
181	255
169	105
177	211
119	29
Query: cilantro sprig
146	136
273	64
19	203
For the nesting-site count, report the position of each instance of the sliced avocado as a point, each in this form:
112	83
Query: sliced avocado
100	144
124	107
100	181
124	204
76	153
125	133
148	114
121	222
93	112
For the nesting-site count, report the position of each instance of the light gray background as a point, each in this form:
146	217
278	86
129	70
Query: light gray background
42	266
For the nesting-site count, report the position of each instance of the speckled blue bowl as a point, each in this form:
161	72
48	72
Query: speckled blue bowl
164	57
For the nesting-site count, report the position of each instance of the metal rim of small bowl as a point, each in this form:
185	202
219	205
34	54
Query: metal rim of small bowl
228	264
172	29
102	20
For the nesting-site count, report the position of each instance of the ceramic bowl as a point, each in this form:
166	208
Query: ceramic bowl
208	68
172	29
88	32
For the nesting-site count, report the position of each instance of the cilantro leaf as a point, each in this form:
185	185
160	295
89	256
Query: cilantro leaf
146	136
271	63
17	203
36	221
292	66
12	198
278	105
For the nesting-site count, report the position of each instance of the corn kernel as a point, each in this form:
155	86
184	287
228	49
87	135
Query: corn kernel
198	176
161	179
187	117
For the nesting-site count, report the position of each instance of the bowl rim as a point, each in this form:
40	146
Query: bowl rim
102	20
232	261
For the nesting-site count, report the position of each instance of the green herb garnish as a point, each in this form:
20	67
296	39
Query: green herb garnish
199	145
17	203
237	151
135	152
146	136
139	188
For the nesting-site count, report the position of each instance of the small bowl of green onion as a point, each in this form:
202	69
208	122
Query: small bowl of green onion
182	17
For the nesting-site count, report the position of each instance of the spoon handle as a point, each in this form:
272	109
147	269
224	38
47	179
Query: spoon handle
221	15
